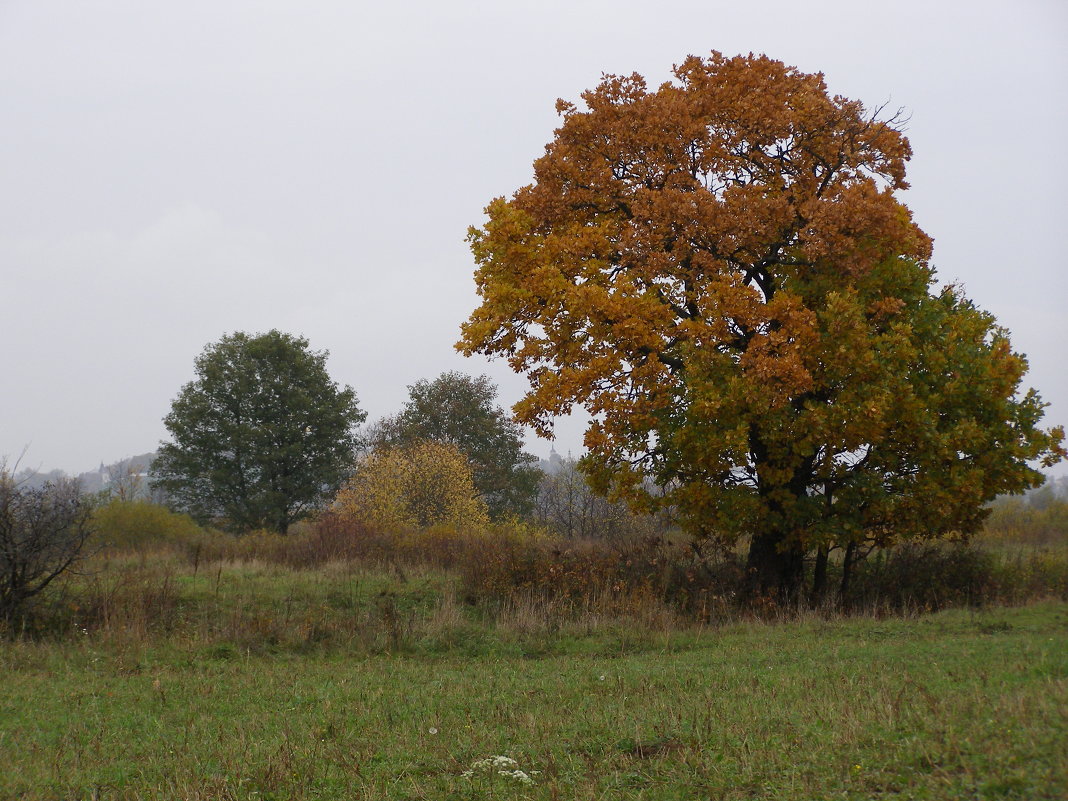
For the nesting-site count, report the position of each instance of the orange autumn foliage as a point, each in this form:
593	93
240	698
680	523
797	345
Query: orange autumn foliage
720	273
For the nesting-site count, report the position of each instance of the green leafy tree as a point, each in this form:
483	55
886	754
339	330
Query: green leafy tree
459	409
262	437
719	271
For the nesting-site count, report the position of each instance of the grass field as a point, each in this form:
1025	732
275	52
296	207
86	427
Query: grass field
272	683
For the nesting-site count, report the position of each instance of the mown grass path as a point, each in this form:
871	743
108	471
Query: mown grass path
953	705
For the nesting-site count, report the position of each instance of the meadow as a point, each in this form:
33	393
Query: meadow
266	669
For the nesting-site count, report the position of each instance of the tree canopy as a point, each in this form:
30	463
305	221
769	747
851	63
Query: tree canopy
720	273
261	437
460	409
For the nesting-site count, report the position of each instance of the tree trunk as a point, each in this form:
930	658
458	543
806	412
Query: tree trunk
775	571
819	577
847	569
776	563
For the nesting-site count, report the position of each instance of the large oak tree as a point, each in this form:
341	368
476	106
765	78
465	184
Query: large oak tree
720	273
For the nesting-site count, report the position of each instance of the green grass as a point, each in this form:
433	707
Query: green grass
360	685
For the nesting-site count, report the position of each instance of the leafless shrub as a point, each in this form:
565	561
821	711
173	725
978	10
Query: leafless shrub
42	534
569	507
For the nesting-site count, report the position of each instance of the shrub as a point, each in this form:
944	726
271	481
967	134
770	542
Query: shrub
933	575
1017	521
139	524
710	586
42	534
416	486
590	574
568	506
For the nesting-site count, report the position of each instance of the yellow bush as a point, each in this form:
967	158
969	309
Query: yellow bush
417	486
132	524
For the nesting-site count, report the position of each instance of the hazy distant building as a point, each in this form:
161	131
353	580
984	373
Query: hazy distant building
553	464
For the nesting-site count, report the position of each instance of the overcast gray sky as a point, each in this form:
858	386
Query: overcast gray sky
170	172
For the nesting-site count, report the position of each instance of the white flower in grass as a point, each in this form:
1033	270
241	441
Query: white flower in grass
519	775
499	766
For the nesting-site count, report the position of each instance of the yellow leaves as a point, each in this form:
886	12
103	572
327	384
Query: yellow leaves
776	358
885	307
417	486
1055	447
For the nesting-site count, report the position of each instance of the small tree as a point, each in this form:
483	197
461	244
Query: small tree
419	485
460	409
569	506
261	437
42	533
125	480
